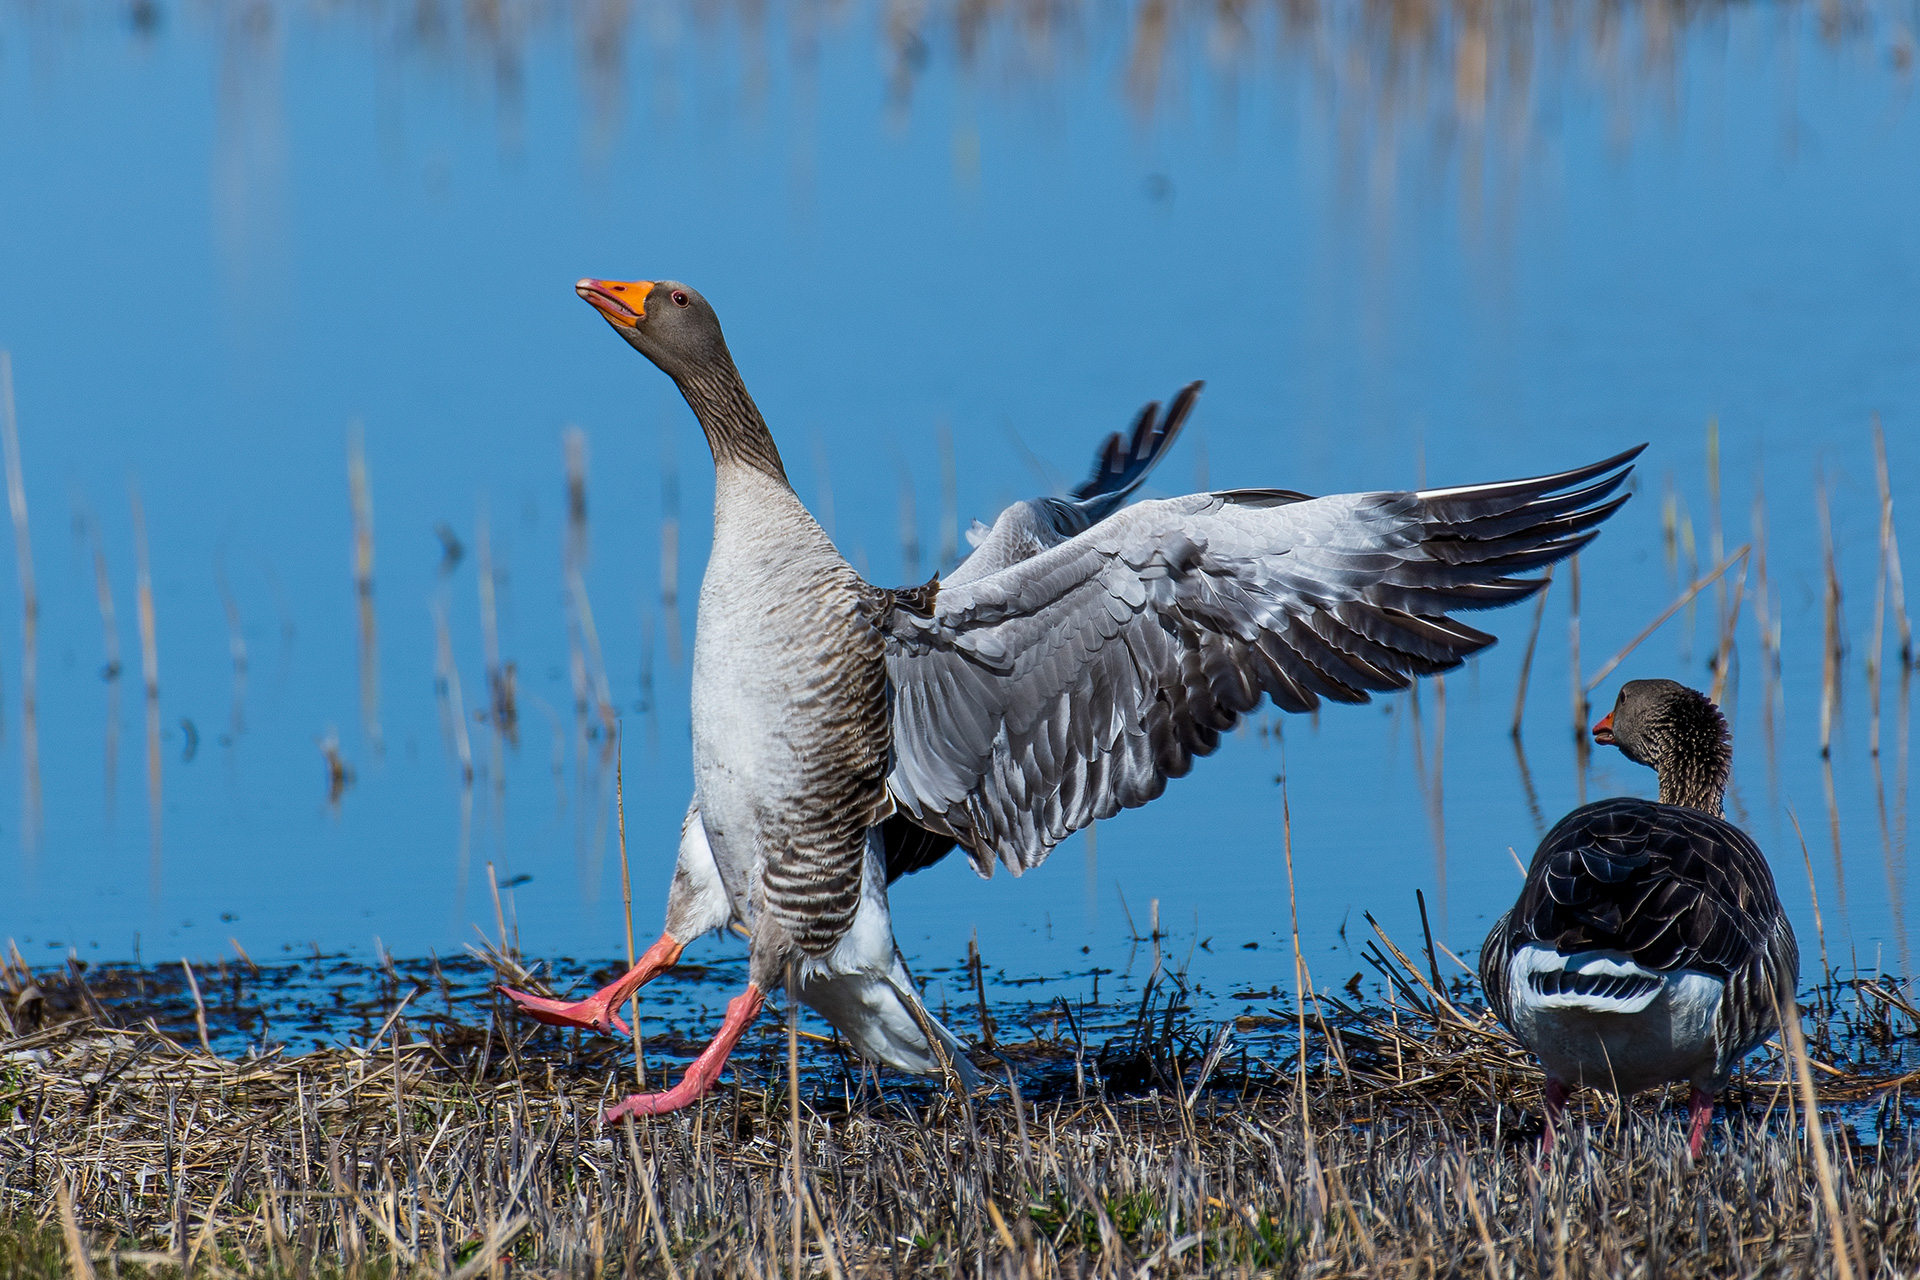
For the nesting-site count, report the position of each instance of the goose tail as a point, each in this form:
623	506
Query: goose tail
1593	981
882	1015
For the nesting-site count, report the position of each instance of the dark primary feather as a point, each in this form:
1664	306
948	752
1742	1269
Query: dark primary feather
911	847
1673	887
1075	682
1122	463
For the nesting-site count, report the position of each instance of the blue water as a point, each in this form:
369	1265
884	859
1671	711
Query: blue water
228	232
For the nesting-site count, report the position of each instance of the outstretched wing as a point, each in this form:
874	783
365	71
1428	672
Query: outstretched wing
1074	683
1120	465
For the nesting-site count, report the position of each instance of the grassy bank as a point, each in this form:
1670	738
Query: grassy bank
1404	1140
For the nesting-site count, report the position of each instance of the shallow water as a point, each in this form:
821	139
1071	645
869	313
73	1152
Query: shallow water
1401	244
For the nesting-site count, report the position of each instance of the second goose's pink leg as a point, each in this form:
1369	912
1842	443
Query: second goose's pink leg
1700	1103
1557	1094
700	1077
600	1011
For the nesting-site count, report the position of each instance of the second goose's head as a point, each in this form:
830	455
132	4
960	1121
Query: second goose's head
1678	733
667	322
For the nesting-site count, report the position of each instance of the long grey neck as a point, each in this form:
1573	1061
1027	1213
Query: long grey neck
736	432
1695	765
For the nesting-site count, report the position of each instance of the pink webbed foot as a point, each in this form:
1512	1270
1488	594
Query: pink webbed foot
600	1011
1700	1105
700	1077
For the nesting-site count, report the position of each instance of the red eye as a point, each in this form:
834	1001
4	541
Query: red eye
679	298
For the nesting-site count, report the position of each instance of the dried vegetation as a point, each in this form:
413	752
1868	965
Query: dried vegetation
445	1139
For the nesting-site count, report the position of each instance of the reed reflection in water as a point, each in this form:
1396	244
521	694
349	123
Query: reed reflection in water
1415	117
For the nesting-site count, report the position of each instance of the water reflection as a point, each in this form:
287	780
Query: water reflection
110	669
1401	86
1429	124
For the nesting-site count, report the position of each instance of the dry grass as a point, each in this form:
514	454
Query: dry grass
448	1139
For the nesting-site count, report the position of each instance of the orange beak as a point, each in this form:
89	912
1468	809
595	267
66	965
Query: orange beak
622	302
1603	732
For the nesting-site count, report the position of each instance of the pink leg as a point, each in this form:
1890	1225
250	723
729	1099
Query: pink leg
1557	1094
1700	1104
600	1011
741	1011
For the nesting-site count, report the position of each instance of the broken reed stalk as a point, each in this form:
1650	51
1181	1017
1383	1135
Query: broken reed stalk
1699	584
17	506
1670	528
583	638
503	711
150	676
1716	546
1895	583
110	672
1831	642
824	474
1299	958
1093	871
1762	613
360	498
447	677
79	1263
1766	622
1729	622
1437	793
1573	657
1839	1223
499	913
1690	548
793	1105
975	971
1813	892
1833	834
103	592
502	699
626	900
1883	585
909	527
1526	655
489	609
199	1006
236	641
29	614
653	1204
949	503
670	548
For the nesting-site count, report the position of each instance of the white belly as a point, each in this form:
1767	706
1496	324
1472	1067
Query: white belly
772	602
1622	1045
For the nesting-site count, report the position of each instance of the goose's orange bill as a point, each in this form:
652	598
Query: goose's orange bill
1603	732
622	302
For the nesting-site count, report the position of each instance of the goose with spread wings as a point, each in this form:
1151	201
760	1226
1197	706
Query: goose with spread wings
1081	657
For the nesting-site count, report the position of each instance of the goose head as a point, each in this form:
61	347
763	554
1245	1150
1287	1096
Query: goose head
1675	731
667	322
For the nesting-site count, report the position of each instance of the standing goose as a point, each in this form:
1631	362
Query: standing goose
1071	667
1648	944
